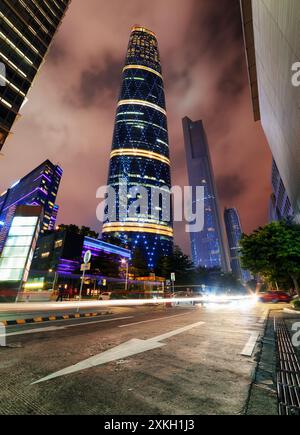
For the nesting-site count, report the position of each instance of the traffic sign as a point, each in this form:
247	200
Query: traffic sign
87	257
173	277
85	267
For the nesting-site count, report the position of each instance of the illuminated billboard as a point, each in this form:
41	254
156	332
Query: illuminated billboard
17	254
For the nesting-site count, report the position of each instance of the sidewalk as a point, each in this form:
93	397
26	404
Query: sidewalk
274	386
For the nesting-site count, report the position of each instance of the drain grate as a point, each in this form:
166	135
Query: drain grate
288	372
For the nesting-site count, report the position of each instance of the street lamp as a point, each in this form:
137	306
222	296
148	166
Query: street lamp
55	278
126	264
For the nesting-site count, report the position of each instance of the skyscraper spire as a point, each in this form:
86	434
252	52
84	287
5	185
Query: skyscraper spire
140	156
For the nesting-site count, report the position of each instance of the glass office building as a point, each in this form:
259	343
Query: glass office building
272	42
40	188
140	152
208	246
280	204
27	29
234	234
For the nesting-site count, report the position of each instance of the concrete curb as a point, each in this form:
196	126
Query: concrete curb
290	311
52	318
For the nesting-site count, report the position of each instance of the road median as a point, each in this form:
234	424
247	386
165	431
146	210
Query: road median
52	318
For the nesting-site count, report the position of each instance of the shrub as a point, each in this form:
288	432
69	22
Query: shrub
296	304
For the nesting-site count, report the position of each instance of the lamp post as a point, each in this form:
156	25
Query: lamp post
126	264
55	279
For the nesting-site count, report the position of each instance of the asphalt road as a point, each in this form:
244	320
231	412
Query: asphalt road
151	361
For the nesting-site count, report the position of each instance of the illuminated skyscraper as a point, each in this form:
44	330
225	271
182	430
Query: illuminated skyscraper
38	188
27	30
234	235
208	246
140	151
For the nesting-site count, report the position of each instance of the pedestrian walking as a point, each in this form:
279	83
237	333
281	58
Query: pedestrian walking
60	296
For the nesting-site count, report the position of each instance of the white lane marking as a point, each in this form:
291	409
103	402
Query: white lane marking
152	320
249	348
123	351
60	328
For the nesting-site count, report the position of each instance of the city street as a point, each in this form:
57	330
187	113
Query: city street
136	361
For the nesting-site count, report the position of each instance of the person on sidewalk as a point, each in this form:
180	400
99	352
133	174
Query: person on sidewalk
60	296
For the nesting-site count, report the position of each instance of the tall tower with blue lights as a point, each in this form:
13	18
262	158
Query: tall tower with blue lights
209	249
140	150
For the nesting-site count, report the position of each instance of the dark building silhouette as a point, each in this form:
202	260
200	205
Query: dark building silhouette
27	30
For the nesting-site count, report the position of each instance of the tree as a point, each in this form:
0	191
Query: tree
177	263
107	265
274	252
139	266
83	231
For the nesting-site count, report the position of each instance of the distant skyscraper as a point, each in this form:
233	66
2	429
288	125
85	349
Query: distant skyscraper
234	234
280	205
140	149
272	40
39	187
27	30
208	246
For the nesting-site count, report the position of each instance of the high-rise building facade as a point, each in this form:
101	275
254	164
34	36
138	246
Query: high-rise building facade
280	204
272	40
140	151
234	234
208	246
38	188
27	30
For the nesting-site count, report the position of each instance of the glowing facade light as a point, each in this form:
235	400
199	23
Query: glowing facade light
139	228
17	254
127	152
143	68
141	29
142	103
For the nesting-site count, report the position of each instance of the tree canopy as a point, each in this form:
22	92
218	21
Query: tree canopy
273	251
107	265
177	263
83	231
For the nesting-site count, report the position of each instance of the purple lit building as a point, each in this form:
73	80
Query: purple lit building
39	188
63	252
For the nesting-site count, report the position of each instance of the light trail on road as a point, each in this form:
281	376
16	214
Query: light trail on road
50	306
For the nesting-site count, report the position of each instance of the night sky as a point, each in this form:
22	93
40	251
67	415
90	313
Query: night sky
70	114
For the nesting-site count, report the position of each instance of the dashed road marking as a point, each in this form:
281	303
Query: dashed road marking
152	320
250	346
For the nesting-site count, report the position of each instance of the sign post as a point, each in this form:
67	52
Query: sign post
2	335
84	267
173	279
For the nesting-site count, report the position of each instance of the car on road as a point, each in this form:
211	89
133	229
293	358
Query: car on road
105	296
275	297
